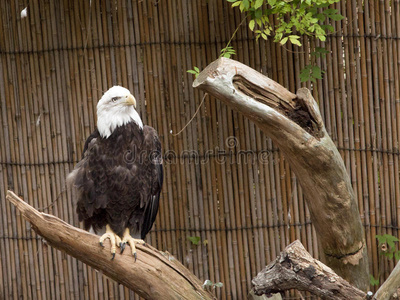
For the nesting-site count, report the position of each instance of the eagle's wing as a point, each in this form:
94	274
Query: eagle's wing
95	134
84	184
152	142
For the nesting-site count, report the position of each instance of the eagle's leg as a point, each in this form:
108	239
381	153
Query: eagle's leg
127	238
114	239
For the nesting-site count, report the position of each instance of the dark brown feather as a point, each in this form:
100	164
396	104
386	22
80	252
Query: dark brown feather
119	180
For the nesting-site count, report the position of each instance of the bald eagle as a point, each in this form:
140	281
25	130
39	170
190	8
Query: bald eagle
119	178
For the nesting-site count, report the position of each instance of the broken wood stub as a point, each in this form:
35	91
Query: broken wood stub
295	268
295	109
390	289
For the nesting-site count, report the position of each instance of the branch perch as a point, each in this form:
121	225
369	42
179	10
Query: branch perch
294	123
155	274
295	268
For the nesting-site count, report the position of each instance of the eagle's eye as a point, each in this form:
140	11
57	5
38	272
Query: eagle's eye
114	99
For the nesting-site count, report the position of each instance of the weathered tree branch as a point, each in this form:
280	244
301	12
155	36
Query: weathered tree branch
294	268
294	123
155	274
390	286
253	296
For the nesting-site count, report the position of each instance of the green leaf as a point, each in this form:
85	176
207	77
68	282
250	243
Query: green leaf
336	17
390	239
296	42
397	255
389	255
236	3
323	5
319	52
252	23
316	72
258	4
231	0
328	28
227	52
272	2
206	283
194	239
258	14
320	17
283	41
381	239
373	281
294	39
305	74
196	69
313	10
329	11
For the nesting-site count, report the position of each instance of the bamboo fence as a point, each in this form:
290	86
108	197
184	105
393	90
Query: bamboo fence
225	182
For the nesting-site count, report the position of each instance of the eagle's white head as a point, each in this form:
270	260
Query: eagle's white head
116	108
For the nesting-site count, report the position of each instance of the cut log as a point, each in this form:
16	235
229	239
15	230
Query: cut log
154	275
294	123
295	268
390	286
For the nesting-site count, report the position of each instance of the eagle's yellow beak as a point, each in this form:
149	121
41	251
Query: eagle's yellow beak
130	100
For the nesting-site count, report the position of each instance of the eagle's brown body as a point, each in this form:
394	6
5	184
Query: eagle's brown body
119	180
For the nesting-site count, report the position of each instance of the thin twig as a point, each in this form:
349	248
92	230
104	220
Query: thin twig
202	101
41	209
233	35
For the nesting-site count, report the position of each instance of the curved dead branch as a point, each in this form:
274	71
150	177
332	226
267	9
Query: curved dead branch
155	274
294	123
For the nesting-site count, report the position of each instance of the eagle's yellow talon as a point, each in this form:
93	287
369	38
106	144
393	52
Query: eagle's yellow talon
128	239
114	240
